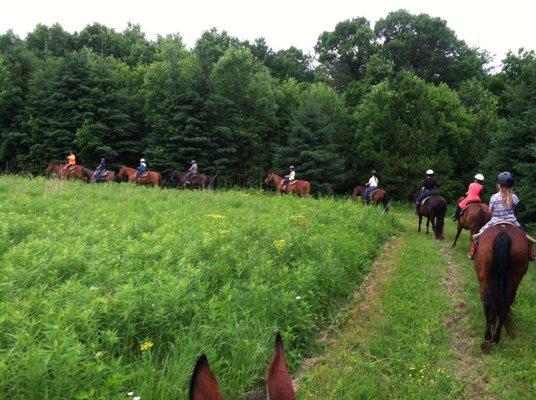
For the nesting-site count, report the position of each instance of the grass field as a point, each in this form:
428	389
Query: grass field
417	333
106	289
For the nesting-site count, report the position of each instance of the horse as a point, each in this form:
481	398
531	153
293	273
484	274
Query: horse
301	187
108	176
474	217
53	170
77	172
379	196
501	261
151	178
176	178
204	386
358	192
434	210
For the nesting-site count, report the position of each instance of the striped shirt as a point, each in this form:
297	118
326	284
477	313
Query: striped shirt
500	212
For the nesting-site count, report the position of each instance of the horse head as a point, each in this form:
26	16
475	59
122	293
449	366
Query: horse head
269	178
204	386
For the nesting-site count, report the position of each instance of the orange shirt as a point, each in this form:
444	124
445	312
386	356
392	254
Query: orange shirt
71	159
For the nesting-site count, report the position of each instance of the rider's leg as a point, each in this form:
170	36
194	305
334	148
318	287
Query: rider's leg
532	252
456	215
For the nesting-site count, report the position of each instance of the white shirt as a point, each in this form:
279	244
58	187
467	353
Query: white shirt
373	181
291	175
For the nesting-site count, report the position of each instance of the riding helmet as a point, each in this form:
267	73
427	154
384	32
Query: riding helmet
142	160
429	172
374	172
291	167
479	177
192	162
505	179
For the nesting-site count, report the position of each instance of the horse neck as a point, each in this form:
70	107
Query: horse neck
277	179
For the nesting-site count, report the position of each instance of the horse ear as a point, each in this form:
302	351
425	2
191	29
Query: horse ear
278	381
203	384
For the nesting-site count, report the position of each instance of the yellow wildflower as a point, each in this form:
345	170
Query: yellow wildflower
279	244
216	216
146	346
224	232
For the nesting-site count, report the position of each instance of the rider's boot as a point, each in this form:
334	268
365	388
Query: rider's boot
472	250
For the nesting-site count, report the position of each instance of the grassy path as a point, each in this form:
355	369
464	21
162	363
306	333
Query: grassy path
415	328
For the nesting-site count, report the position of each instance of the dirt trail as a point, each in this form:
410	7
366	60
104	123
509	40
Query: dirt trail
468	365
364	303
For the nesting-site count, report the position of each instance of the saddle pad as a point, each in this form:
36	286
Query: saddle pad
144	174
426	199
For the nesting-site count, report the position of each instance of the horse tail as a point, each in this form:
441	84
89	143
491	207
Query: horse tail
159	179
307	188
440	212
385	201
498	295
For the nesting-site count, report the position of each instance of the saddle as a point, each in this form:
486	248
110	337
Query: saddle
71	168
144	174
426	199
468	204
290	183
103	173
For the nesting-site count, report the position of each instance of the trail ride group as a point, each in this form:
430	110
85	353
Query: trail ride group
499	246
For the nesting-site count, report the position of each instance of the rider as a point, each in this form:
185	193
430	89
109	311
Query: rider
429	188
290	178
502	206
371	185
192	172
474	191
71	160
100	169
141	169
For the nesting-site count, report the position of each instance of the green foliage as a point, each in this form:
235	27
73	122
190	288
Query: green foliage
513	144
91	272
409	126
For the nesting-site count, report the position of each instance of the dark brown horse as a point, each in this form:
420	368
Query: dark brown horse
107	176
204	386
150	178
379	196
179	178
358	192
501	262
434	210
299	186
53	170
76	172
474	217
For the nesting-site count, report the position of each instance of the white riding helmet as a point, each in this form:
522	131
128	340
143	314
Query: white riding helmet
479	177
429	172
142	160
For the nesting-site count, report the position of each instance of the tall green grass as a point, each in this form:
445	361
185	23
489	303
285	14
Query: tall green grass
106	289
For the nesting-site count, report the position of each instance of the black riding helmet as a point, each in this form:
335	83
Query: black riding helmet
506	179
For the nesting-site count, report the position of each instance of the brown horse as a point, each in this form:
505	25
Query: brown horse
301	187
501	261
76	172
358	192
179	178
108	176
474	217
204	386
434	210
151	178
379	196
53	170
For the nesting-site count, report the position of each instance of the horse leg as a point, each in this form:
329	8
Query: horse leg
497	335
427	224
486	345
420	221
457	234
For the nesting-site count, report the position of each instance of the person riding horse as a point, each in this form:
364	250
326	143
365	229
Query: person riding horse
192	172
101	169
474	191
141	170
502	206
429	188
371	185
71	161
289	179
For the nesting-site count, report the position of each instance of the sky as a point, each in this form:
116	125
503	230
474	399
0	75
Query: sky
497	26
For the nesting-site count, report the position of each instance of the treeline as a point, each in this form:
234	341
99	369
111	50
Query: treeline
402	96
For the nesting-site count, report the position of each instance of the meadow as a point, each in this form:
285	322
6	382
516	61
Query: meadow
106	289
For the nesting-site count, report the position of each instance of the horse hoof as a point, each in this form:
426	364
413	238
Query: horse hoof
486	347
